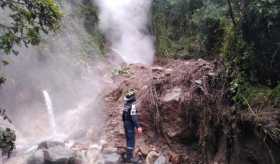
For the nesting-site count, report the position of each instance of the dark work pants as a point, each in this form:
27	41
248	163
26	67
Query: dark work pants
130	138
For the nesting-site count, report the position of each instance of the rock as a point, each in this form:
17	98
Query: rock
144	149
53	153
172	122
58	153
110	150
36	158
173	95
112	158
171	112
198	82
173	157
168	72
91	156
157	69
152	157
211	74
49	144
161	160
173	131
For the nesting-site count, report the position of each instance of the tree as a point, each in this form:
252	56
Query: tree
29	19
231	12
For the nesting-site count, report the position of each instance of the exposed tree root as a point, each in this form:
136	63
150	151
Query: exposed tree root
183	105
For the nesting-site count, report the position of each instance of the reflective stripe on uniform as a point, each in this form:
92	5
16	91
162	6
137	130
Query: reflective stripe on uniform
133	111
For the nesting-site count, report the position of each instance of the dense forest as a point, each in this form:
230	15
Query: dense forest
245	37
243	34
241	37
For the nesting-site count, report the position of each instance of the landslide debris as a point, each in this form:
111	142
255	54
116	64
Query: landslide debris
186	117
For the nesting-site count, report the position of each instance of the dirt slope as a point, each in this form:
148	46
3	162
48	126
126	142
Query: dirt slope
182	109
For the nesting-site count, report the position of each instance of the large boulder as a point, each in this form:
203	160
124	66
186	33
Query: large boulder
171	111
50	152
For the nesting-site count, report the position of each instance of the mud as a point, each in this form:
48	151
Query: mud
185	115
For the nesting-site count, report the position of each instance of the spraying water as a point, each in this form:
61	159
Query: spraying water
69	65
49	106
66	63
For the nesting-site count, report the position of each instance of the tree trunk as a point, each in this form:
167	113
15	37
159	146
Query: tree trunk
231	12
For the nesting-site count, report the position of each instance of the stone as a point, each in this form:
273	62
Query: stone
173	131
157	69
53	152
36	158
112	158
145	149
58	153
198	82
161	160
110	150
49	144
211	74
173	95
152	157
168	72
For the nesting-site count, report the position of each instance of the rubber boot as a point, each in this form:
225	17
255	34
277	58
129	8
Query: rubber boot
130	158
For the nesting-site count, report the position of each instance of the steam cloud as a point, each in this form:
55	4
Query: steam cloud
124	23
68	68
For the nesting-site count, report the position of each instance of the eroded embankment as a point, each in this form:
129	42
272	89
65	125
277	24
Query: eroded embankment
183	109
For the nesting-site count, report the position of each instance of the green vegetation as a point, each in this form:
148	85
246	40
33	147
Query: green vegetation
188	29
251	51
244	34
7	140
124	71
29	19
90	11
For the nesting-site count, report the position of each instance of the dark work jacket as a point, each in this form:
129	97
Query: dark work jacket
130	112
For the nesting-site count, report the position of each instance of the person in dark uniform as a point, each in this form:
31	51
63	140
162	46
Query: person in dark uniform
131	123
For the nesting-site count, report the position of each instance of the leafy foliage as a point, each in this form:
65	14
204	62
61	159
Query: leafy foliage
90	11
246	33
29	20
251	51
189	28
260	29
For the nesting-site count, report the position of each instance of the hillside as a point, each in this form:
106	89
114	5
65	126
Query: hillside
206	74
184	110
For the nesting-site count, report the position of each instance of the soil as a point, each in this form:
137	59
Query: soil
183	109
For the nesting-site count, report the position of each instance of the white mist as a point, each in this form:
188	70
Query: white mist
125	25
